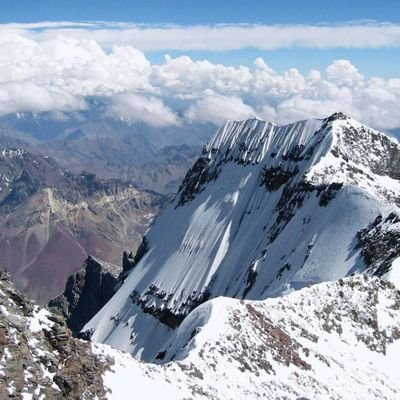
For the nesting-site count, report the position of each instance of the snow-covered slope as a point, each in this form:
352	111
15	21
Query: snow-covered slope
264	211
336	340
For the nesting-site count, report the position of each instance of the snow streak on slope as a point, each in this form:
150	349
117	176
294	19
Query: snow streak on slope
264	211
336	340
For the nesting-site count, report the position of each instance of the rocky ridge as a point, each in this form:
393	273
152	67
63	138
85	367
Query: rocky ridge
38	356
325	340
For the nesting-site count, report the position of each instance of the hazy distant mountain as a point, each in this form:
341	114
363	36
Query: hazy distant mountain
50	219
154	158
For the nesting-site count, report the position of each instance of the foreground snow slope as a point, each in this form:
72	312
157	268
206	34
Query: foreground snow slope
338	340
264	211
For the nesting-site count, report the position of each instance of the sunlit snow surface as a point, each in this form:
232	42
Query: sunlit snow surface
317	343
394	274
233	237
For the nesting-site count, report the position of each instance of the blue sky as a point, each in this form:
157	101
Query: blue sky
201	12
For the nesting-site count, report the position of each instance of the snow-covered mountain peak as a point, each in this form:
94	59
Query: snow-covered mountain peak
264	211
336	150
359	156
249	141
256	137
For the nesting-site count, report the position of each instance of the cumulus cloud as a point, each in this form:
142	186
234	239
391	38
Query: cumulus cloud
343	73
60	73
194	78
217	109
30	97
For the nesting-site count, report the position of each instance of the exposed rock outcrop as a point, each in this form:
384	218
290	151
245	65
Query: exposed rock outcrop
39	358
86	292
380	243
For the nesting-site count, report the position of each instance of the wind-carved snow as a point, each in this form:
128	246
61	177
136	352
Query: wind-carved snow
265	210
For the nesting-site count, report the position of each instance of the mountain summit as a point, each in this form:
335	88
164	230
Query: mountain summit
264	211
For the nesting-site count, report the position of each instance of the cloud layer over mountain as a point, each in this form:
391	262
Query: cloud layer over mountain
56	68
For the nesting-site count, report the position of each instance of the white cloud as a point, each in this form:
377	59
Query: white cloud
80	65
195	78
30	97
343	73
135	108
218	109
59	74
219	37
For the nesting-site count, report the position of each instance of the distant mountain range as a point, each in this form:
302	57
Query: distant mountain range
51	219
151	158
82	183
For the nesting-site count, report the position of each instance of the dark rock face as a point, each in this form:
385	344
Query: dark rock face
171	318
86	293
129	261
38	355
274	177
387	160
380	243
196	177
336	116
328	193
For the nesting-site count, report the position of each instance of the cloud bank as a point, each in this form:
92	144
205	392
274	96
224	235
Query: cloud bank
219	37
51	70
